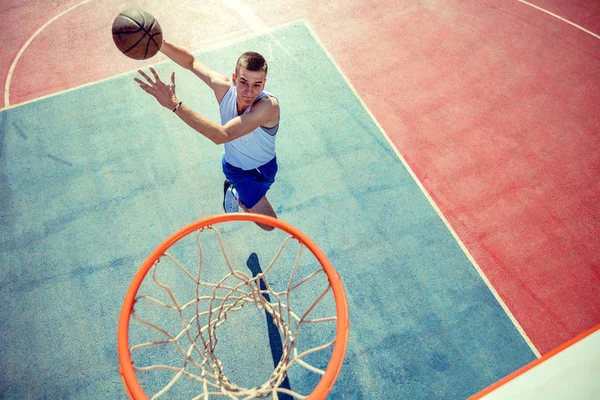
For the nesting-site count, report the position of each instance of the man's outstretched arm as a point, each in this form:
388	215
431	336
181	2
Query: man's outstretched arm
217	81
261	113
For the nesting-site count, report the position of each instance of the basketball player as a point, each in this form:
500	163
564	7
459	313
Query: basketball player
249	123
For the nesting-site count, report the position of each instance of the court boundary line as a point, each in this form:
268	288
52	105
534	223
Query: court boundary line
430	199
206	46
560	18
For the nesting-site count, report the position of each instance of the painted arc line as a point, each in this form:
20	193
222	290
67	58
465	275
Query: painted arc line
20	53
433	204
211	44
247	13
560	18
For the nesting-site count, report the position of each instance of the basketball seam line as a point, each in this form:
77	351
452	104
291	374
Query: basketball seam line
147	32
141	28
135	44
151	38
134	21
126	33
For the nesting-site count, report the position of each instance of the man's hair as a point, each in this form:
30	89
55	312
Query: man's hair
252	62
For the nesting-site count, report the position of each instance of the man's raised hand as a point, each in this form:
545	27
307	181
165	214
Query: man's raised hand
164	94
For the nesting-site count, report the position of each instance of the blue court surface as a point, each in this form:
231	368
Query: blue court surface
93	179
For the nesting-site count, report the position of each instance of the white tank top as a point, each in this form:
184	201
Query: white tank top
253	149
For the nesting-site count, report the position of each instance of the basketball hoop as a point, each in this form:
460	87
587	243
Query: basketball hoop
310	298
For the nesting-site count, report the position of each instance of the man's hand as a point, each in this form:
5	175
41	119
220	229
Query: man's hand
164	94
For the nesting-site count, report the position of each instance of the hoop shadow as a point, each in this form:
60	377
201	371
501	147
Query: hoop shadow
274	335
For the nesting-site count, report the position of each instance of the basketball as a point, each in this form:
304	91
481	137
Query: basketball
137	34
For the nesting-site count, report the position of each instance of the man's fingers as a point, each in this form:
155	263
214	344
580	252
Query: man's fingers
173	82
147	88
143	85
145	76
160	91
155	74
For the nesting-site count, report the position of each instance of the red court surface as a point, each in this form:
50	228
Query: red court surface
493	104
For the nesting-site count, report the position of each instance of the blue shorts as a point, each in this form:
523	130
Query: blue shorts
251	185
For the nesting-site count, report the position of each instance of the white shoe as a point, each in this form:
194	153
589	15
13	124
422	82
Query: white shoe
230	199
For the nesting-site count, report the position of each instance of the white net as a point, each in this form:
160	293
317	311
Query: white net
197	339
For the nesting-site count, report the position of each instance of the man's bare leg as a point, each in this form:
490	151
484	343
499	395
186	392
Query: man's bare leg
262	207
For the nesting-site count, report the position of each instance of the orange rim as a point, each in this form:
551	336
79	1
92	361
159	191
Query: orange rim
334	367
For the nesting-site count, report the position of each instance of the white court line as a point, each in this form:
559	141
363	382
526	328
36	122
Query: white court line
560	18
432	202
16	60
254	21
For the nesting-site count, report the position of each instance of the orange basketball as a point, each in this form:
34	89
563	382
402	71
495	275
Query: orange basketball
137	34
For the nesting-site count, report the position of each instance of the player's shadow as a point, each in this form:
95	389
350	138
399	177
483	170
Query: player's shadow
274	334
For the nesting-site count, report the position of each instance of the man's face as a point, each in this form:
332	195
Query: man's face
249	85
